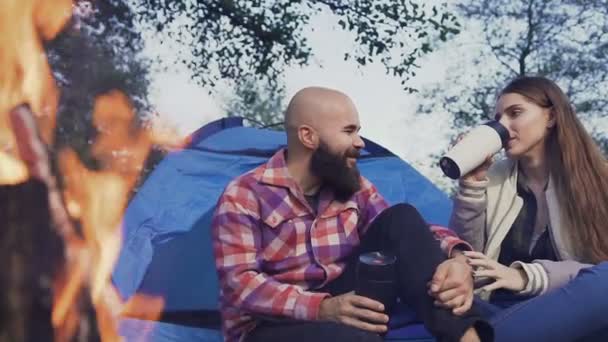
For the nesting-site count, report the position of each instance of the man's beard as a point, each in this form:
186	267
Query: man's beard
333	171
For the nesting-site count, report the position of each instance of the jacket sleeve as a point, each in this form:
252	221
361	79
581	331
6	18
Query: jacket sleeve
448	240
236	245
468	218
546	275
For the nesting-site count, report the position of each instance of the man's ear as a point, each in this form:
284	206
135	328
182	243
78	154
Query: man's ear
308	137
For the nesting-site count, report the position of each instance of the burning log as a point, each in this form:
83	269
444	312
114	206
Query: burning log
35	227
33	253
31	249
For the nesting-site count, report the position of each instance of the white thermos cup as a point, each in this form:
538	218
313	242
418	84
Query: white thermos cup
470	152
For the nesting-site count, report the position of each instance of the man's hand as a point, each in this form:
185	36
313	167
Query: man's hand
356	311
452	285
504	277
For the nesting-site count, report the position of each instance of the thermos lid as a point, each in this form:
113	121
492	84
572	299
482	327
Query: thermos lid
449	167
377	258
376	266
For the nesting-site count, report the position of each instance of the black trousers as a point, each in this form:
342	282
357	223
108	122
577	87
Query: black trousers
401	231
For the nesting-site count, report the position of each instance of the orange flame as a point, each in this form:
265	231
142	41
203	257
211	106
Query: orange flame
95	198
98	199
26	76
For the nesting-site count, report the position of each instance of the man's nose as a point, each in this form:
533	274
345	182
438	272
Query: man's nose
358	142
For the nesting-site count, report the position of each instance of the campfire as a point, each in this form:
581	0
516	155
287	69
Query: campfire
61	241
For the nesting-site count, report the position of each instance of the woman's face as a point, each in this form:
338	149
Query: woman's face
527	122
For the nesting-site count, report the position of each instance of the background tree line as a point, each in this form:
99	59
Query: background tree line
250	43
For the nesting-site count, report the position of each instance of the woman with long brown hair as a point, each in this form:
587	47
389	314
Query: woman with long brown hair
539	216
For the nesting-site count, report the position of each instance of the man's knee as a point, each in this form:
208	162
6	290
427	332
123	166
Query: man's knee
401	209
401	213
602	267
404	219
599	270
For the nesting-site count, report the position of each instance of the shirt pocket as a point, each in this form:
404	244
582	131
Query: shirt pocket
284	236
348	223
346	217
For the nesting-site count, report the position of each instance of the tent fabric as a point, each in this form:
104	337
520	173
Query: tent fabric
140	330
166	239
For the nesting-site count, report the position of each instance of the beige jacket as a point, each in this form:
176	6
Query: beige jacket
484	212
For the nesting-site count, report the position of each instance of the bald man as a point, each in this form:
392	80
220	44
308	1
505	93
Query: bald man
287	237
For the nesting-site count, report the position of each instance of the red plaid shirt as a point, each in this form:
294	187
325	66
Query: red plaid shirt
271	247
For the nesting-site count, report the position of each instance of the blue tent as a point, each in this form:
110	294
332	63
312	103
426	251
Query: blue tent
166	240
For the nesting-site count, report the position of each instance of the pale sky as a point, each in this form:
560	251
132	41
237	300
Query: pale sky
387	113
